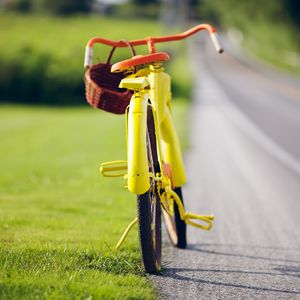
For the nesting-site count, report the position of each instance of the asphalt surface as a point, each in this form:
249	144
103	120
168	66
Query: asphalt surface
243	166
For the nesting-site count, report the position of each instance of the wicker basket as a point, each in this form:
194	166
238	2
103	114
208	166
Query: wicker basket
102	87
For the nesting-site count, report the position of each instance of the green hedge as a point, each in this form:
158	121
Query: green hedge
55	7
42	61
30	77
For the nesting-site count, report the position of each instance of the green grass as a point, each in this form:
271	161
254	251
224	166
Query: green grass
59	220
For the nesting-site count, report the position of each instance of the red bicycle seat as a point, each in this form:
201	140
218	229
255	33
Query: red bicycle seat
139	60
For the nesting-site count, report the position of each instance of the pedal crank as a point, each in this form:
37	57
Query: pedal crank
168	197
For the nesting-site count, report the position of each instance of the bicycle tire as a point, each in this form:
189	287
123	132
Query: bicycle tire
148	209
176	228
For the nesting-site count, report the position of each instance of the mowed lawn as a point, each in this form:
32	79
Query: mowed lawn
59	220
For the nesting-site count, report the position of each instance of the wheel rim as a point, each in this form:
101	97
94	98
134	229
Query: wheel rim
171	227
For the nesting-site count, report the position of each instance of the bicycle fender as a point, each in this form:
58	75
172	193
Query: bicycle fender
138	173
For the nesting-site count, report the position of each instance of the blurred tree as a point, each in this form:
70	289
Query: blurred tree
56	7
178	11
236	12
65	7
144	2
138	8
293	8
18	5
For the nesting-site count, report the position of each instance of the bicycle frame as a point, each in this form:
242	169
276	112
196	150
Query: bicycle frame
155	87
151	84
152	87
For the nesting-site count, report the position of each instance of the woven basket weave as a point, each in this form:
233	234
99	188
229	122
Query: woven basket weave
102	87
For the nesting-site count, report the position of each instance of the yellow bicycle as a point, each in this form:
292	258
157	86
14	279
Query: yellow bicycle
154	171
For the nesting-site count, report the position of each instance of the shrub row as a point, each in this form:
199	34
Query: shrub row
33	77
56	7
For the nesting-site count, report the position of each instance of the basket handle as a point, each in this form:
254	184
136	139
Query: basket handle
114	48
129	44
110	55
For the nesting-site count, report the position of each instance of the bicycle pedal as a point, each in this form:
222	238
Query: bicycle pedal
117	168
208	219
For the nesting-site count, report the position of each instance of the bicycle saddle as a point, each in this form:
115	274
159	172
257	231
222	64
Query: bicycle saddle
139	60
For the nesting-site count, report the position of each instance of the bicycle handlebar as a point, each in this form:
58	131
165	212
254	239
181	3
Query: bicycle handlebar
150	41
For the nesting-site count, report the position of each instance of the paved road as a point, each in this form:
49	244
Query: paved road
244	166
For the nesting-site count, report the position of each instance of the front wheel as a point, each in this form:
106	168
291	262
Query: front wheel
149	220
148	208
